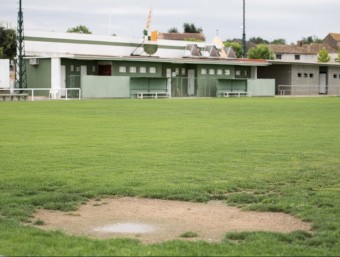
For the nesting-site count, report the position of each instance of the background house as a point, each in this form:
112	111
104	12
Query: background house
333	40
296	70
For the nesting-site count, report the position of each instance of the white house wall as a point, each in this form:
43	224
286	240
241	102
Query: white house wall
4	73
305	58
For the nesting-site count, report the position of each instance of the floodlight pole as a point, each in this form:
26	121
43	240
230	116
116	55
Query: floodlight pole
244	41
21	66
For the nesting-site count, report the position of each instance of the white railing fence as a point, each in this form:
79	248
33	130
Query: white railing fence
296	90
55	94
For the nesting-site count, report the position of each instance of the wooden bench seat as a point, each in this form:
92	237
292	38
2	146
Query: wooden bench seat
238	94
13	96
141	95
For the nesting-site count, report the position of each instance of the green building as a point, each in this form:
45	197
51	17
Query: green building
114	67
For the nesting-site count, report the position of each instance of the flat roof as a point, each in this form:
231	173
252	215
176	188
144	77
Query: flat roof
185	60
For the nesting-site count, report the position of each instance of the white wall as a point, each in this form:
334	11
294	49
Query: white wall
309	58
92	45
261	87
56	73
4	73
306	58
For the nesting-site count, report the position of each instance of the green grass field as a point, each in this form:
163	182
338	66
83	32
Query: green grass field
265	154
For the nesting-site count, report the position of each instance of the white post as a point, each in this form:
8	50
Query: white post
168	75
56	74
254	72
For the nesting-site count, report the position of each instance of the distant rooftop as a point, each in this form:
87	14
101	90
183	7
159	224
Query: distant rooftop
302	49
182	36
336	36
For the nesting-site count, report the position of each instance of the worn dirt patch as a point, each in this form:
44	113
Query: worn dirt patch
165	220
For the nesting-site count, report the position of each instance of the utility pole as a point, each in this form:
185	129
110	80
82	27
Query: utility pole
21	66
244	40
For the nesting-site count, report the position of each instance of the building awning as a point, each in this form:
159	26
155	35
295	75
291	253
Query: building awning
187	60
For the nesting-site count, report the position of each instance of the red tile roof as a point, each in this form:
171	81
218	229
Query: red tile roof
304	49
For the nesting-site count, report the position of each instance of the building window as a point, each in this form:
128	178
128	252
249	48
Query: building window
297	57
339	76
153	70
305	75
177	71
211	72
279	56
72	68
335	76
93	68
142	69
311	75
203	71
245	73
227	72
299	75
133	69
183	71
219	72
238	73
122	69
78	69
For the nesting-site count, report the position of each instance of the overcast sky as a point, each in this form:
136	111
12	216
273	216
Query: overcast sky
269	19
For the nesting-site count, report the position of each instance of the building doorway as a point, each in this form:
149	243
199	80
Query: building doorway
104	70
191	82
323	81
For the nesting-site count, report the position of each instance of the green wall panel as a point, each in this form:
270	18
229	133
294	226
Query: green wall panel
105	87
261	87
39	76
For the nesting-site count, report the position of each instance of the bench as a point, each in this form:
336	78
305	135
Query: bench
238	94
12	96
141	95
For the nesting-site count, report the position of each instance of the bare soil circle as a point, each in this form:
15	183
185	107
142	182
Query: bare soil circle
153	221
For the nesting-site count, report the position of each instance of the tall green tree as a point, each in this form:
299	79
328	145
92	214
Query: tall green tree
8	43
323	56
338	58
261	52
258	40
311	40
191	28
237	47
173	30
81	29
279	41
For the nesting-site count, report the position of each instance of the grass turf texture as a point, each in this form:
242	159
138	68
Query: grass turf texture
260	154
